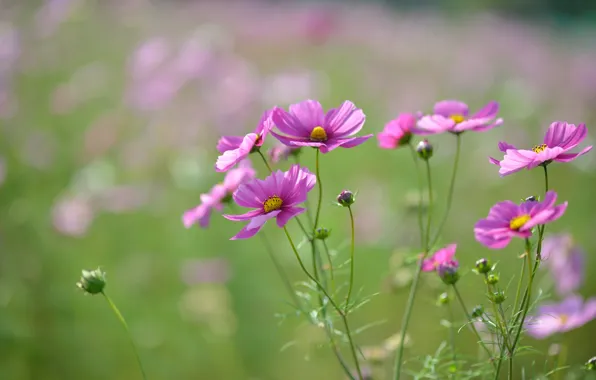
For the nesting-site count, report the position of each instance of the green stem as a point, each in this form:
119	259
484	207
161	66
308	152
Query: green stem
452	331
123	322
427	244
420	225
351	285
519	285
545	178
320	184
264	160
413	288
451	189
331	301
330	265
471	322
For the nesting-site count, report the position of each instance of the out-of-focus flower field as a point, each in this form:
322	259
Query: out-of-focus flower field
109	116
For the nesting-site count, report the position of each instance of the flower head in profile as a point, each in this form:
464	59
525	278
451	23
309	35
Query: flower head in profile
234	149
398	132
454	116
560	138
306	124
282	152
565	260
507	220
442	256
277	196
218	195
568	315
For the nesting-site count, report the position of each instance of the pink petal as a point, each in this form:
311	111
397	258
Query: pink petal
247	216
309	113
226	143
288	123
448	108
345	120
287	214
567	157
490	110
231	157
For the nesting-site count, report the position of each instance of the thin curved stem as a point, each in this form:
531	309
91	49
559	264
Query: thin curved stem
326	248
264	160
519	285
351	286
451	189
413	288
123	322
471	322
320	184
452	331
427	244
331	301
419	176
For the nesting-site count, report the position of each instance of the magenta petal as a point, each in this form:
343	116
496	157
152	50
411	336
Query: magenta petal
309	113
490	110
287	123
433	124
231	157
493	243
226	143
567	157
246	233
387	141
287	214
428	265
345	120
200	214
494	161
503	146
242	217
312	144
448	108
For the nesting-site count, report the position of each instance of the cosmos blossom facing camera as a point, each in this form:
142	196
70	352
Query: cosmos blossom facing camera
442	256
568	315
454	116
277	196
306	124
560	138
218	195
507	220
234	149
398	132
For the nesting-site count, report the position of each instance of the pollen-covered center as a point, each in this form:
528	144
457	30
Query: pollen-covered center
519	221
318	134
539	148
272	203
457	118
563	318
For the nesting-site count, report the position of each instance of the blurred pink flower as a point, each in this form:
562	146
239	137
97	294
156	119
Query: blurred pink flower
282	152
200	271
72	216
442	256
568	315
397	132
565	260
453	116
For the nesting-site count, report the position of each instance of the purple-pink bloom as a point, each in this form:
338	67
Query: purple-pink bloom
277	196
219	194
306	124
453	116
560	138
443	255
507	220
559	318
565	260
282	152
234	149
397	132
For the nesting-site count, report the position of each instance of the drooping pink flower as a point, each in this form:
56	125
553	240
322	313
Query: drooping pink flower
236	148
443	255
560	138
568	315
565	261
397	132
453	116
218	195
306	124
282	152
277	196
507	220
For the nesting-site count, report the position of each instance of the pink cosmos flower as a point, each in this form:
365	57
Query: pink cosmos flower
236	148
442	256
397	132
565	260
219	194
306	124
277	196
453	116
560	138
507	220
559	318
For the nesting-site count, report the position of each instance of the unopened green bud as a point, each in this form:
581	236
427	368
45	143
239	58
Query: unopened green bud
443	299
448	272
492	279
92	282
483	266
498	297
424	149
346	198
322	233
477	311
591	364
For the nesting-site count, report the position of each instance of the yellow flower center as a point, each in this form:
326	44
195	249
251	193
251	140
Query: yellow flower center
564	318
519	221
539	148
272	203
457	118
318	134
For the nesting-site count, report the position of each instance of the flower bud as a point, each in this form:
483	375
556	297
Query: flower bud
448	272
591	364
424	149
531	198
492	279
92	282
498	297
322	233
477	311
443	299
346	198
483	266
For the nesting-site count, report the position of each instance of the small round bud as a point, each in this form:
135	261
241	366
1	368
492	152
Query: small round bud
424	149
483	266
591	364
492	279
346	198
92	282
477	311
531	198
443	299
498	297
322	233
449	272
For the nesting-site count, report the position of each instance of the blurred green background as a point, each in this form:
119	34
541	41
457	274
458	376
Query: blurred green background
109	115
